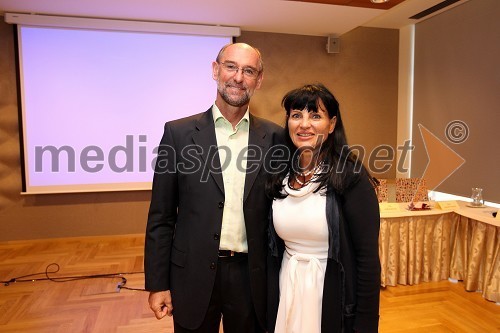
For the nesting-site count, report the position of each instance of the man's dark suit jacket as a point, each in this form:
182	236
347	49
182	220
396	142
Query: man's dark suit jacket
185	215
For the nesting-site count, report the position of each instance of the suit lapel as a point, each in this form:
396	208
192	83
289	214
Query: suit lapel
206	142
257	147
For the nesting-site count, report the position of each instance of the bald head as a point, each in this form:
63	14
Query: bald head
242	46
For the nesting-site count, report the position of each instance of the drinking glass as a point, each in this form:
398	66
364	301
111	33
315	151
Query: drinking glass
477	196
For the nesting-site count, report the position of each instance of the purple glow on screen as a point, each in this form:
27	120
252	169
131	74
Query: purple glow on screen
105	96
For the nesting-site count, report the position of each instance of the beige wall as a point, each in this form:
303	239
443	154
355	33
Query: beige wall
457	78
363	76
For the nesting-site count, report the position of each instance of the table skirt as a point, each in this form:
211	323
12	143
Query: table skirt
418	249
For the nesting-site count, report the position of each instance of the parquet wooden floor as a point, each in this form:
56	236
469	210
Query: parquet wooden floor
95	305
434	307
79	306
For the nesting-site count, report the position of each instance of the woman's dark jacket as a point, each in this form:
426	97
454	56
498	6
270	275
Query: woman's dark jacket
352	280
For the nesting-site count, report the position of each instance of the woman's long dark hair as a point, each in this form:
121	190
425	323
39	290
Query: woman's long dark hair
341	166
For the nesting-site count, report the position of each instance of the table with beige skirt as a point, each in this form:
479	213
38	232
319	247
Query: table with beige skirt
458	244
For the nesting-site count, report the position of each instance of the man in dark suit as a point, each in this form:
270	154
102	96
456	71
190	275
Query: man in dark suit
206	237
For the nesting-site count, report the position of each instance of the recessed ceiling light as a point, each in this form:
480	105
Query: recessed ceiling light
379	1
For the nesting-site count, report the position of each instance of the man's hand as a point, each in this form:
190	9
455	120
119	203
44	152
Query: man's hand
161	303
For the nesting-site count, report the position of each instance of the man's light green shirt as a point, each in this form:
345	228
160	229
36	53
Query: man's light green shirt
233	149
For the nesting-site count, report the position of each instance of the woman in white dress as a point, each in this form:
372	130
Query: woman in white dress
324	269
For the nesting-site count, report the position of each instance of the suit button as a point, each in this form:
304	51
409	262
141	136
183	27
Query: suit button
216	236
212	265
221	204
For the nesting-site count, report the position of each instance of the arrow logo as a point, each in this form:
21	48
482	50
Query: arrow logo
443	161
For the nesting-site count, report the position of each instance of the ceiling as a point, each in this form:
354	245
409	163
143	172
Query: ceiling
358	3
305	17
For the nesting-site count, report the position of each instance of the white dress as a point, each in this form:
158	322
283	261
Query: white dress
300	220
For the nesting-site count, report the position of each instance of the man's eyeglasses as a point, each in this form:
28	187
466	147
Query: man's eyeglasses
248	72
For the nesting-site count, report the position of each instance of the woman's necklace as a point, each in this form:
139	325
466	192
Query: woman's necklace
307	173
312	171
298	181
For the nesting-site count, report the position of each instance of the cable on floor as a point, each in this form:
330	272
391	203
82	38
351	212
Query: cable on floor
54	268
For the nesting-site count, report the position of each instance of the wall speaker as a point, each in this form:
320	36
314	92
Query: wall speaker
333	44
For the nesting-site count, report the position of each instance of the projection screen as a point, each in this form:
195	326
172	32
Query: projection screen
94	101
